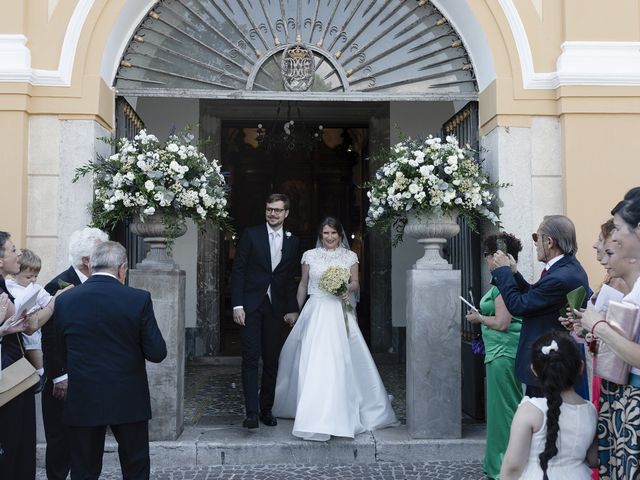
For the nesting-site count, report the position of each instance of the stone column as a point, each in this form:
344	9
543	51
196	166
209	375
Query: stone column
379	250
434	408
209	321
166	379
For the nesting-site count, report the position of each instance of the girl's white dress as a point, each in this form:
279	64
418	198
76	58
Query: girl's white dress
577	430
327	379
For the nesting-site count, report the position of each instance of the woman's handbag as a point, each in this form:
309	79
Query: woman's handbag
16	378
624	318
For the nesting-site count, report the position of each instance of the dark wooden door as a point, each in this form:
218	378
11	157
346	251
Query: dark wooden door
321	181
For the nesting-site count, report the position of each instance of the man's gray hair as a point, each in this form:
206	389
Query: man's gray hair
563	232
82	242
107	257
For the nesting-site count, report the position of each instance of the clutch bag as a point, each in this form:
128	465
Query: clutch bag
624	318
16	378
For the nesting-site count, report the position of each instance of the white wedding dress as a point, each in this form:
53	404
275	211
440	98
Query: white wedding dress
327	380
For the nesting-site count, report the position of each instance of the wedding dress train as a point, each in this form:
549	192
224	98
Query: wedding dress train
327	379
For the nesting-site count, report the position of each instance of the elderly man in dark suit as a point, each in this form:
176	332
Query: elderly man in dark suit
57	458
264	294
105	332
540	304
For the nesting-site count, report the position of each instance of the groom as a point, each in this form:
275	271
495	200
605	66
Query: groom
263	293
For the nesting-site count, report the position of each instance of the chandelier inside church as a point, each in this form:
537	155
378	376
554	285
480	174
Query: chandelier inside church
288	133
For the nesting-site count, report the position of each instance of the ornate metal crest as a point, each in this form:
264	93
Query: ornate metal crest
298	67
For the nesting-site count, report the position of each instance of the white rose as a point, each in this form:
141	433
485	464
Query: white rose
413	188
172	147
149	211
149	185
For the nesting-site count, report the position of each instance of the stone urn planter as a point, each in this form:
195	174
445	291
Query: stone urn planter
158	237
432	230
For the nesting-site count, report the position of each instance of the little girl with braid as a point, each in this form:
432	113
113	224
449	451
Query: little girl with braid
553	437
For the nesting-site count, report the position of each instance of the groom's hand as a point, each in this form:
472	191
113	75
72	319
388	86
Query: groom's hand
291	318
238	316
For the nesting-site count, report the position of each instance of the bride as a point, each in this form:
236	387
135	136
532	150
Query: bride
327	379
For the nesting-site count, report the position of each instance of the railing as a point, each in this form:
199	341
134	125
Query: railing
128	124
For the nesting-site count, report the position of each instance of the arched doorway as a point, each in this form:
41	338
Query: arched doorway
353	51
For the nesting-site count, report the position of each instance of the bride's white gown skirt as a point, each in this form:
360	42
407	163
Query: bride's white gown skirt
327	380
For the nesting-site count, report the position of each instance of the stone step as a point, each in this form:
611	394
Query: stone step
230	444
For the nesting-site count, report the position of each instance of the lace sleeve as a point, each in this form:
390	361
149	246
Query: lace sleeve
306	257
352	258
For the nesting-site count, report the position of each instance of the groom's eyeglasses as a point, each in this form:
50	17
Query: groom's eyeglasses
275	210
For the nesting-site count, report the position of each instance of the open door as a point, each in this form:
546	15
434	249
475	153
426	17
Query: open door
128	124
465	255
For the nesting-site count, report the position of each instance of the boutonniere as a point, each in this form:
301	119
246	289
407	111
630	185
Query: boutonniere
287	234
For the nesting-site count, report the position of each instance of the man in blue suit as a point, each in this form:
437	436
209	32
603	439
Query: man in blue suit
105	332
540	304
263	291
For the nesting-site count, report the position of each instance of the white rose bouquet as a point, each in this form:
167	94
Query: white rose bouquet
335	281
144	177
430	175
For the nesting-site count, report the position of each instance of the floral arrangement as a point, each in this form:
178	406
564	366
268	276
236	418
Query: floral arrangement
145	177
334	280
425	176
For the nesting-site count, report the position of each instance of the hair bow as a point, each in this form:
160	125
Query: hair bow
553	346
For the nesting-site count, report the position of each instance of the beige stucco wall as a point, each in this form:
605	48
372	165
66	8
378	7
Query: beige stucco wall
590	115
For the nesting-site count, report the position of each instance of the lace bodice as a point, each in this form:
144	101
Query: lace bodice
319	259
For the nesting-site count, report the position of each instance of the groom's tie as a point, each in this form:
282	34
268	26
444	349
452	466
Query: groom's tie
276	253
276	249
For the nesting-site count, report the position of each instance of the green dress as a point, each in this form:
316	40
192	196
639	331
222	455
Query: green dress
504	391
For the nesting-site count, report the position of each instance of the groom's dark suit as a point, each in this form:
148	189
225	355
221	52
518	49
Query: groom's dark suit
251	277
539	305
58	461
105	332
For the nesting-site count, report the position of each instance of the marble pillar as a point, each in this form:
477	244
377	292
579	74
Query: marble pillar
434	407
166	379
209	320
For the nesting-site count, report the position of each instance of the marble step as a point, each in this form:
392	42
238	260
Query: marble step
227	443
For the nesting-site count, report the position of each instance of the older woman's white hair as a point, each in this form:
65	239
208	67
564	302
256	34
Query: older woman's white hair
82	242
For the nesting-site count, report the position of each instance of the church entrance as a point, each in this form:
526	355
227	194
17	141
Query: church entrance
319	160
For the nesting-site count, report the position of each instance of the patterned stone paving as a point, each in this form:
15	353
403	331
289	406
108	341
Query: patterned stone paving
213	393
377	471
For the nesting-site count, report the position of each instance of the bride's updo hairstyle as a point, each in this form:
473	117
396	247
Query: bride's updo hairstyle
556	361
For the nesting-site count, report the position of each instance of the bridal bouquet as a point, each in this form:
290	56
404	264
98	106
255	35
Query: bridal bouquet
146	177
426	176
334	280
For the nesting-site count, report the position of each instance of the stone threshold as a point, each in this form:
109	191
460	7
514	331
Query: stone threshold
230	444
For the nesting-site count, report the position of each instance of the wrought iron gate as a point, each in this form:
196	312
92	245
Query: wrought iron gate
464	254
128	124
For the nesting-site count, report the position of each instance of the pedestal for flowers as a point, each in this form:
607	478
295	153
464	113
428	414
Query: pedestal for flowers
158	237
419	191
432	231
157	185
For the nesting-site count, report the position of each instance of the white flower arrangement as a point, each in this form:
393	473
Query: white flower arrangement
425	176
146	177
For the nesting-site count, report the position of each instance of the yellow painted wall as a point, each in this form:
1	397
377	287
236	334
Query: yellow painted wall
601	164
13	164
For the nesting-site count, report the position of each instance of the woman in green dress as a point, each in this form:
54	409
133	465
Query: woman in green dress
500	333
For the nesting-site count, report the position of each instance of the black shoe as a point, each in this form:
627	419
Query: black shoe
251	421
268	419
